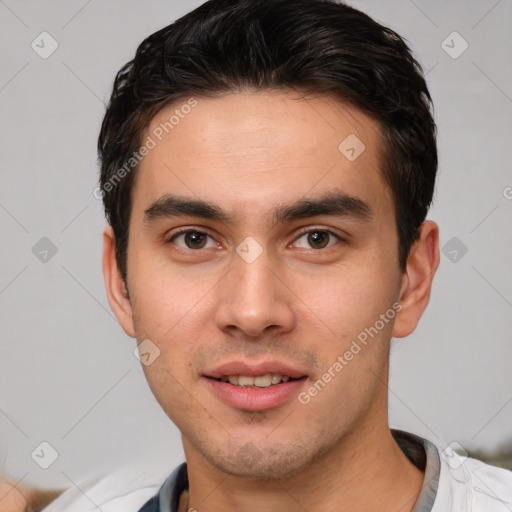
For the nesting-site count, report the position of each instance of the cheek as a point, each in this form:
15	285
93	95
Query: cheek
170	375
169	389
168	309
353	313
166	300
346	301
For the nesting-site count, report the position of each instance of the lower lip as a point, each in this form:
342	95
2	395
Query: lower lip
256	399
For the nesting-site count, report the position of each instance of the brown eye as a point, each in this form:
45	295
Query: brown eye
192	239
318	239
195	240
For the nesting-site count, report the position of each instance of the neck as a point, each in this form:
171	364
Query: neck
367	469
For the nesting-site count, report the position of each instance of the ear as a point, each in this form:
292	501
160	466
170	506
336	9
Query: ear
417	279
114	284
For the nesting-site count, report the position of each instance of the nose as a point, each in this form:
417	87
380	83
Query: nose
253	299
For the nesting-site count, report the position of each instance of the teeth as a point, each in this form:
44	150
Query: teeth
245	381
264	381
260	381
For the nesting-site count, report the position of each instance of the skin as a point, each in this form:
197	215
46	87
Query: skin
298	302
13	498
20	498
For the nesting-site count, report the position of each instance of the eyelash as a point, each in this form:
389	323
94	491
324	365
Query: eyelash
299	235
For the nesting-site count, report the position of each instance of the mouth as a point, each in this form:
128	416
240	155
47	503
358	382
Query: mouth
259	381
255	388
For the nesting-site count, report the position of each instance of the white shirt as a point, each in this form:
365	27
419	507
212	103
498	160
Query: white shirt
451	484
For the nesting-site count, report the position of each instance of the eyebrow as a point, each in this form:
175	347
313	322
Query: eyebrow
332	204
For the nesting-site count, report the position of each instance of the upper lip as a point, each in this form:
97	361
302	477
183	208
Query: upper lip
253	369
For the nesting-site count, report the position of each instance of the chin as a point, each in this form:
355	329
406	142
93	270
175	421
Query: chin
262	462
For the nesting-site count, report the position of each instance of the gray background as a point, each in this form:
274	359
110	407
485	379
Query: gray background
68	375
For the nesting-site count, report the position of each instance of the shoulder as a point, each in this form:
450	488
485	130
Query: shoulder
470	484
126	489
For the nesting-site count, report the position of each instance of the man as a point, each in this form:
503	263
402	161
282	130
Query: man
266	171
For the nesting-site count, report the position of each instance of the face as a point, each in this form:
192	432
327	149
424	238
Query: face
263	245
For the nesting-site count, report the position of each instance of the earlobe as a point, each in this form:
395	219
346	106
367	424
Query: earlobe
115	287
417	280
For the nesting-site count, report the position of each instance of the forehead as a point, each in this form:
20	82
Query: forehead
251	149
